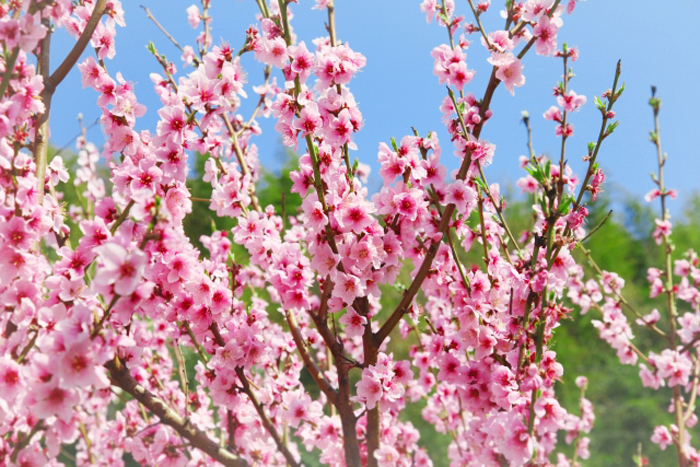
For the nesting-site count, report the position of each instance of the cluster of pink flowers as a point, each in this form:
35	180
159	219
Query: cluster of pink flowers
677	365
95	328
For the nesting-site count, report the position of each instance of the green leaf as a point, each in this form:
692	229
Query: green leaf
393	144
620	91
480	183
536	173
599	104
611	127
566	202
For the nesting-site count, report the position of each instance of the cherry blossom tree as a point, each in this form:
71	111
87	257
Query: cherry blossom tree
292	346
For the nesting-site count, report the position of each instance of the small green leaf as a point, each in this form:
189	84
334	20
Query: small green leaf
612	127
547	167
599	104
620	91
394	145
480	183
565	204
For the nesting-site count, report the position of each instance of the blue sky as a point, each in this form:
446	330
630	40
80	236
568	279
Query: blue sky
657	42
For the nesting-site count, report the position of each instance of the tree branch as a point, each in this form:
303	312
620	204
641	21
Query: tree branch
121	377
316	374
267	423
75	53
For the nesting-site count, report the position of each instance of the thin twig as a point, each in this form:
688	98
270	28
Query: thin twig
163	30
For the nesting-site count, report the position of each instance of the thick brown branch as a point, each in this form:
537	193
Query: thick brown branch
121	378
348	420
371	350
73	56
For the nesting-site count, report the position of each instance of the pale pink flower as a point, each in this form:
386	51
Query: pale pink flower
509	70
462	196
369	388
571	101
348	287
324	260
663	229
321	4
193	16
353	322
546	33
662	437
53	400
119	268
553	114
430	7
303	61
77	367
355	214
387	456
57	171
650	318
11	380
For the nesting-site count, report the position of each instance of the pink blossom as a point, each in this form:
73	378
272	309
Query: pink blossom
303	61
533	9
11	379
554	114
272	52
650	318
355	214
386	456
17	233
662	437
77	367
347	287
321	4
571	102
546	33
119	268
309	120
193	16
50	399
509	70
353	322
369	388
462	196
662	230
430	7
